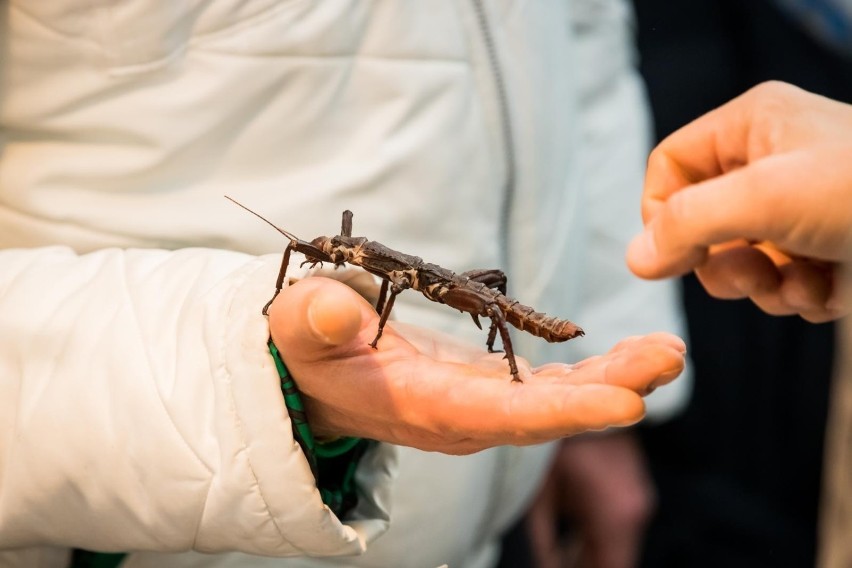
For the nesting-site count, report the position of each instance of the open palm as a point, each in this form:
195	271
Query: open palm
428	390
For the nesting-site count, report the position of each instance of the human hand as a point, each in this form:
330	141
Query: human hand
427	390
756	198
599	484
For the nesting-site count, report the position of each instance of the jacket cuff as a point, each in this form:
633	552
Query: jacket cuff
262	454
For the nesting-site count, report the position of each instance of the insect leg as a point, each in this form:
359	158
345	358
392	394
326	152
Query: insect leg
313	254
497	317
493	278
492	335
383	294
279	283
386	310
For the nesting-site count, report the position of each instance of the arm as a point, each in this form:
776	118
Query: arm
141	409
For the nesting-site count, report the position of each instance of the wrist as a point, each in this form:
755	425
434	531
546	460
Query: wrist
332	460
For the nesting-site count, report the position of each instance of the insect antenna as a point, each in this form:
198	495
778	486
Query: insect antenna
290	236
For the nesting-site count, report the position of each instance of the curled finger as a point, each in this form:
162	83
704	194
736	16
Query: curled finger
738	270
806	286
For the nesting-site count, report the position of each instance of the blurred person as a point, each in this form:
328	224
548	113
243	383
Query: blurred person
756	198
142	408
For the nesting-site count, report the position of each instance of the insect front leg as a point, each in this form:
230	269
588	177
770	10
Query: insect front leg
313	255
279	283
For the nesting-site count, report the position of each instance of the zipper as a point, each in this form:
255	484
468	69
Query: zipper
503	455
508	135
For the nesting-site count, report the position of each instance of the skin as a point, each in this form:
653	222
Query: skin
756	198
430	391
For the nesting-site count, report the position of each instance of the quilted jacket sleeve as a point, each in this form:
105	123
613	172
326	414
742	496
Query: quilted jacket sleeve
139	409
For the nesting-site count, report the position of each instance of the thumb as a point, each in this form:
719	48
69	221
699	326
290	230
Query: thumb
746	203
312	315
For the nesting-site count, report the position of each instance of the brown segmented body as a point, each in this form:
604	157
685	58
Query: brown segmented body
481	293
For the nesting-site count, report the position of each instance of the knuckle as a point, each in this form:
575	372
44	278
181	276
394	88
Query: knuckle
773	89
717	285
772	304
664	173
771	107
773	98
678	210
657	159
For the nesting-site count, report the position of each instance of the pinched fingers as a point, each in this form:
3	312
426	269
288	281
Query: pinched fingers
738	270
684	228
776	282
806	289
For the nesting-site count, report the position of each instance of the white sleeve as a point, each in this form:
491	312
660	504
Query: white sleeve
616	141
140	409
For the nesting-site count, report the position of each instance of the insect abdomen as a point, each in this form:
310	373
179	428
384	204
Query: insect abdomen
547	327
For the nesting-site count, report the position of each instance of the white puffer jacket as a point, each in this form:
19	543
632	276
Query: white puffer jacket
139	409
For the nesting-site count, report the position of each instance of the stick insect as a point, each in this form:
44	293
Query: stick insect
481	292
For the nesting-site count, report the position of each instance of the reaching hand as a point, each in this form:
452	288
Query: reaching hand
430	391
756	197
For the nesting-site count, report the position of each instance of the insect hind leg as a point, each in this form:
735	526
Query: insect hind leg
492	278
498	323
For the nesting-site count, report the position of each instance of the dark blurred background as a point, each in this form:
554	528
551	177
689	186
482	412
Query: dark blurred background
739	472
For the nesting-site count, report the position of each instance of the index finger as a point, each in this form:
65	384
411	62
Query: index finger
709	146
733	135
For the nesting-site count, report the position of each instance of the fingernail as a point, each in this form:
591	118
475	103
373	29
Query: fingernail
629	421
333	315
313	318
